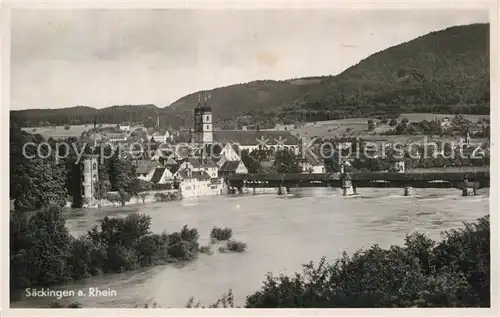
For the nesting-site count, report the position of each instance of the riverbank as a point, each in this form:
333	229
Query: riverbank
282	234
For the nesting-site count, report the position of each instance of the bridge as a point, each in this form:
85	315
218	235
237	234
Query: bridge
468	182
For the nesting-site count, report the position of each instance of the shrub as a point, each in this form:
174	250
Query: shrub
226	301
422	273
67	127
220	234
206	249
56	304
236	246
43	252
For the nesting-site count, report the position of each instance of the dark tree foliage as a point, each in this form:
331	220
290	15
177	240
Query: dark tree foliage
43	253
442	72
251	160
423	273
37	179
285	162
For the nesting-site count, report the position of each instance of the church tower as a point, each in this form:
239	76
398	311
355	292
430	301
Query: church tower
203	130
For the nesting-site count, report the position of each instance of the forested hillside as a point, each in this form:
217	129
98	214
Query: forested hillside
442	72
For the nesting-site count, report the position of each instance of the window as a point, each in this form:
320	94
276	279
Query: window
208	127
208	118
95	165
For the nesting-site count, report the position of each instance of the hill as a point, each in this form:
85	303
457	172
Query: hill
442	72
86	115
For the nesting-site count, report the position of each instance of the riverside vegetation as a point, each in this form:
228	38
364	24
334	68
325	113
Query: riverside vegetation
43	253
454	272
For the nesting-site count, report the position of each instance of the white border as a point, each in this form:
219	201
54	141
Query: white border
493	8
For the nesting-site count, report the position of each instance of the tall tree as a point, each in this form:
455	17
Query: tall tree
36	180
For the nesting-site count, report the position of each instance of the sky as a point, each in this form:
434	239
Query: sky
99	58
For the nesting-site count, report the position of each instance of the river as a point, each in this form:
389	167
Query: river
282	233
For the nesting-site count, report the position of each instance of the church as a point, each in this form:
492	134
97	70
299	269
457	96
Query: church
204	135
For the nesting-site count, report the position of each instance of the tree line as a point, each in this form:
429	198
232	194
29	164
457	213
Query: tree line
453	272
43	179
44	253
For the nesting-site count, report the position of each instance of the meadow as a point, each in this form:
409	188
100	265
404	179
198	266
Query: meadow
58	132
359	127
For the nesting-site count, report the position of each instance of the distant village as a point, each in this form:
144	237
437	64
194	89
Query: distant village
195	162
199	166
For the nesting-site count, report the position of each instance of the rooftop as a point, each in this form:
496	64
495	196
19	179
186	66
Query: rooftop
254	137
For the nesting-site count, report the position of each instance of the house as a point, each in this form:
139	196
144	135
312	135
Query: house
162	175
124	128
230	152
145	169
445	123
232	167
168	162
200	165
399	166
116	137
196	184
312	164
258	139
210	168
159	137
192	163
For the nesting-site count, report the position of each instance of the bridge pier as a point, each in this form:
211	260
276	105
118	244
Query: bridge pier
469	188
347	188
469	191
409	191
282	191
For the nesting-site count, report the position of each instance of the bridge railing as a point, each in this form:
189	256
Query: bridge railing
359	176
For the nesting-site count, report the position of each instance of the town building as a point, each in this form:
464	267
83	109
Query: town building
197	183
124	128
116	137
145	169
399	166
232	167
162	175
311	164
259	140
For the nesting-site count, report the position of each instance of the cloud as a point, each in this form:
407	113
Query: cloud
102	57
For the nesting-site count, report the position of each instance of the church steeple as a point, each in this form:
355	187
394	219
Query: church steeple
203	131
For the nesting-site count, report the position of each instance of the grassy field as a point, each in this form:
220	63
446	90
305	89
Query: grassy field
359	126
59	131
412	117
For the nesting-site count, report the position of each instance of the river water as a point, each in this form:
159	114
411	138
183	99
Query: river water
282	233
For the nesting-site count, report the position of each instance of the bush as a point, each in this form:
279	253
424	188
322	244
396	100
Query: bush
422	273
219	234
67	127
236	246
206	249
56	304
226	301
43	252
